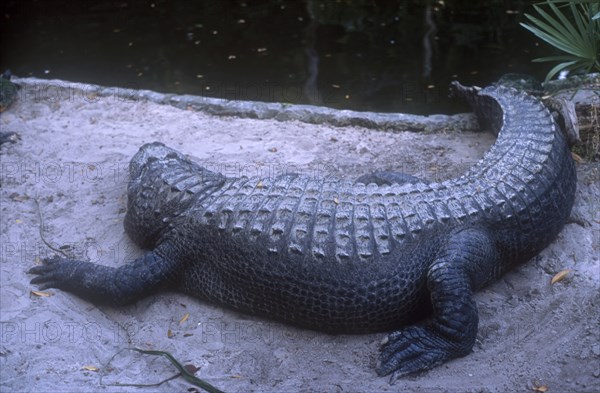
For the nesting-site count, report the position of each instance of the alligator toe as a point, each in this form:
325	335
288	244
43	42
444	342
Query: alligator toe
411	350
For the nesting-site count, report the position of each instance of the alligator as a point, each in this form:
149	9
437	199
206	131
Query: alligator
397	254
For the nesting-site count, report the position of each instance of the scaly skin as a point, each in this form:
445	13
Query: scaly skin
339	256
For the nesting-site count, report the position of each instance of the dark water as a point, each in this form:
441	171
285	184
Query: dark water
371	55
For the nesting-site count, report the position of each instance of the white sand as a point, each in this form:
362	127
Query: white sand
73	155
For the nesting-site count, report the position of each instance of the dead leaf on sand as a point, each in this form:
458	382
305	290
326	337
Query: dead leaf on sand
560	276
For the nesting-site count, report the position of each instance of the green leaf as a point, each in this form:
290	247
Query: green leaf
552	33
572	27
564	27
586	28
549	37
556	69
578	18
555	58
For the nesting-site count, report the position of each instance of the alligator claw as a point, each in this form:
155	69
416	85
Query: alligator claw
56	272
414	349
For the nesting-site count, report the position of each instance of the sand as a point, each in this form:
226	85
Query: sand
73	156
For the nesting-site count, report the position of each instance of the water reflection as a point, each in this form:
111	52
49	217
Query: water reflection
352	54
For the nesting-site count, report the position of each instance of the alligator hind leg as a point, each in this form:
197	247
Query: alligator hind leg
465	263
105	284
387	178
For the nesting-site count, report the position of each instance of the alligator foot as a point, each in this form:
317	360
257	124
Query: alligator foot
105	284
55	272
413	349
385	178
452	330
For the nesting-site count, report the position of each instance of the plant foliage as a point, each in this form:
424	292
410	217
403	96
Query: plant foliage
577	34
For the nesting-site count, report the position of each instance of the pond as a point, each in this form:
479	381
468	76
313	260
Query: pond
367	55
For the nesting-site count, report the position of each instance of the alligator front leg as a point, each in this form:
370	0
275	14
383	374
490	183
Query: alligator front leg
462	265
105	284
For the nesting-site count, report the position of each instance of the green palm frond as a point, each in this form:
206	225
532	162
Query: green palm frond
578	35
